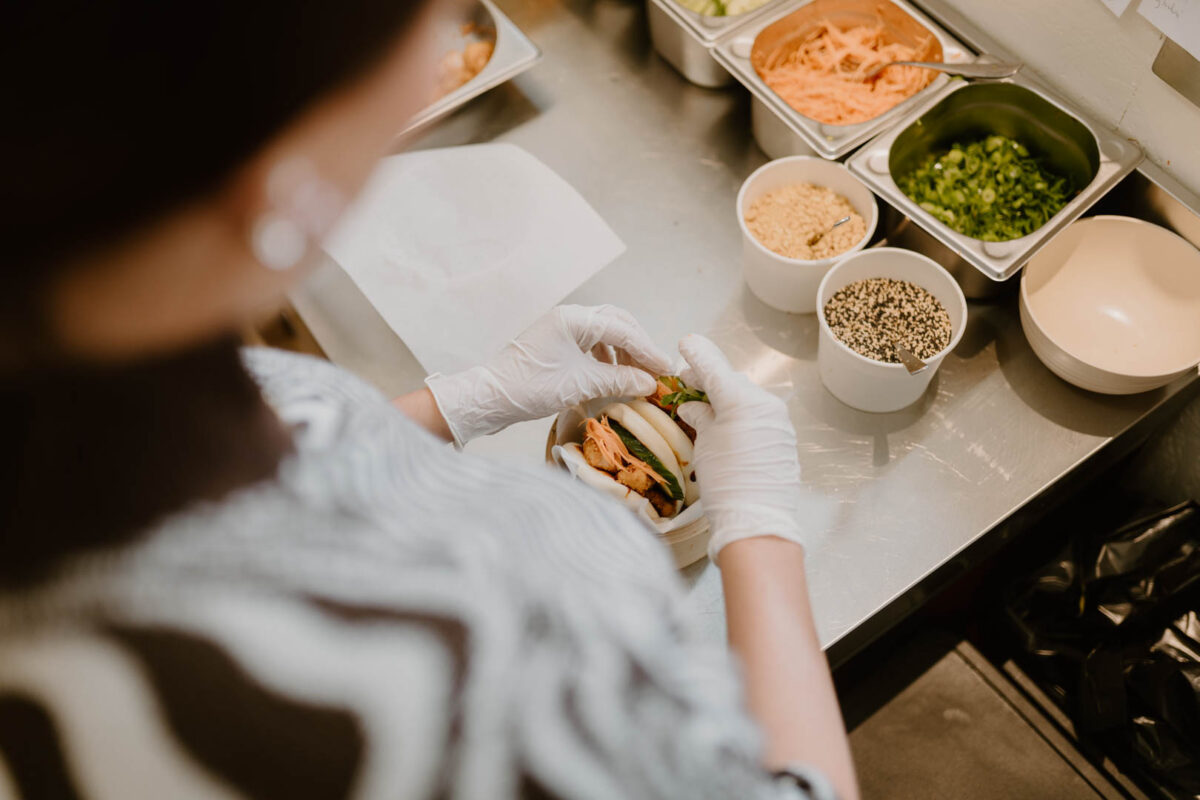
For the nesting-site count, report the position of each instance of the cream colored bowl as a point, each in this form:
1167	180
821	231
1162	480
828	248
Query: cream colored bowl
1112	305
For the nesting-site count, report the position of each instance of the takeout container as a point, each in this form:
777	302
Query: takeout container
514	53
737	51
685	39
1021	109
685	535
790	284
862	382
1112	305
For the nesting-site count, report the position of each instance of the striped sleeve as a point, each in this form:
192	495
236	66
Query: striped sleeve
389	620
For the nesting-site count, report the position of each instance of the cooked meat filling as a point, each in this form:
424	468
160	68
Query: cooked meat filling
661	501
640	482
603	449
597	457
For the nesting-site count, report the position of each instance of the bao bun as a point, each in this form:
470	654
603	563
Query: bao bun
668	451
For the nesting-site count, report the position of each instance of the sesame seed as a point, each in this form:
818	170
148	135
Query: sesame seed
871	315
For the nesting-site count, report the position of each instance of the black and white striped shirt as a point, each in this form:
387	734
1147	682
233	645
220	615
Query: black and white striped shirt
384	619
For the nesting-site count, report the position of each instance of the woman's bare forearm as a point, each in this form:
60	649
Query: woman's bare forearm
421	408
788	685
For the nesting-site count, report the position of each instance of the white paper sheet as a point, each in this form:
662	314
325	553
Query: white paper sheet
462	249
1178	19
1117	6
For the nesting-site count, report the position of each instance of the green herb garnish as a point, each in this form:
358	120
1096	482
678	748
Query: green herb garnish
992	189
639	450
680	393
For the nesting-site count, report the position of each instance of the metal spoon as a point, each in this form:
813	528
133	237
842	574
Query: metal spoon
982	69
909	359
816	237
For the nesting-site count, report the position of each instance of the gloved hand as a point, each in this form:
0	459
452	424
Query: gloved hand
746	459
565	358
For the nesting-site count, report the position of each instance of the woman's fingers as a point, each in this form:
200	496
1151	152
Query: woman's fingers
696	414
708	369
622	381
605	354
616	327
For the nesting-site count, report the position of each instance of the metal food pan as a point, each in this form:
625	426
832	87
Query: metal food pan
1021	109
514	54
685	39
735	52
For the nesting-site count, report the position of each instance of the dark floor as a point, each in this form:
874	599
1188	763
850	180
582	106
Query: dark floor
954	727
940	709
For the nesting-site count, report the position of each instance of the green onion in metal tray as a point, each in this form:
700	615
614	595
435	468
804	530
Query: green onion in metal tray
992	189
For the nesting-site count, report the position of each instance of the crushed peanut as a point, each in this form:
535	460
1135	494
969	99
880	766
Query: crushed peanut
784	220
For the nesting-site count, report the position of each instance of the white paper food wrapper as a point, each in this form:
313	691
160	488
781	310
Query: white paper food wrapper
569	429
460	250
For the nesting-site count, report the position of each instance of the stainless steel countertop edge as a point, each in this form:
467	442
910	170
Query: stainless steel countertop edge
1184	384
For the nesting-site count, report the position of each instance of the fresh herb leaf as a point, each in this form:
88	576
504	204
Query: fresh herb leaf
680	393
640	451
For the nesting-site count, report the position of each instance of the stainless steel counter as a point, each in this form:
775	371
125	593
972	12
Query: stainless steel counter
898	502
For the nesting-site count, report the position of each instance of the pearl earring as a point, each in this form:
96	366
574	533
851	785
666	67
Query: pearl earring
303	207
278	242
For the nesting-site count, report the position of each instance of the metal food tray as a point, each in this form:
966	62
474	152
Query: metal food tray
514	54
828	141
685	38
708	29
1115	158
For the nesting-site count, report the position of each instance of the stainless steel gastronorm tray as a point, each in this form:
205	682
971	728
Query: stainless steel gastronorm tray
685	38
829	141
514	54
1020	108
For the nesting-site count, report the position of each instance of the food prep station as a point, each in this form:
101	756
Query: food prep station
900	503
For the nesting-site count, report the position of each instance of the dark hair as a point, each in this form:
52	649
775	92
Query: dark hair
114	113
120	110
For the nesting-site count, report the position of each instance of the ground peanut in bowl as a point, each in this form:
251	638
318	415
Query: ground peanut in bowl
871	315
784	220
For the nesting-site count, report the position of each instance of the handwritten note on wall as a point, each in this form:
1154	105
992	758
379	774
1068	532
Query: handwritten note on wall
1178	19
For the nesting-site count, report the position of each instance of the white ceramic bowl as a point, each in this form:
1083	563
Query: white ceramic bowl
864	383
790	284
1112	305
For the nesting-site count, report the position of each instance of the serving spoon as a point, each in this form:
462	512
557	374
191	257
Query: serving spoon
979	69
816	237
909	359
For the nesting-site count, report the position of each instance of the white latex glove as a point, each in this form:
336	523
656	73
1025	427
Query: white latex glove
746	459
571	355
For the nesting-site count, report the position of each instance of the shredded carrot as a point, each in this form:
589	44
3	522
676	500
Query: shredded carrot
823	74
614	449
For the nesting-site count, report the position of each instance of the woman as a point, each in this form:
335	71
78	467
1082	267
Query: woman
229	575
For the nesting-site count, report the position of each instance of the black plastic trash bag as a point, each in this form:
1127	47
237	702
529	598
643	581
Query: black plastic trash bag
1111	629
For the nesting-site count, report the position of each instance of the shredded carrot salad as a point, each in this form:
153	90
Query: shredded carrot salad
615	450
823	74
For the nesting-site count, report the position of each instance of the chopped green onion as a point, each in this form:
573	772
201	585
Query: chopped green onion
991	189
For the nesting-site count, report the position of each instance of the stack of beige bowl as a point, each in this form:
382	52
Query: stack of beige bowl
1112	305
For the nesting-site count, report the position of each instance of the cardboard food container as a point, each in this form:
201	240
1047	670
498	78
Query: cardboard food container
686	535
